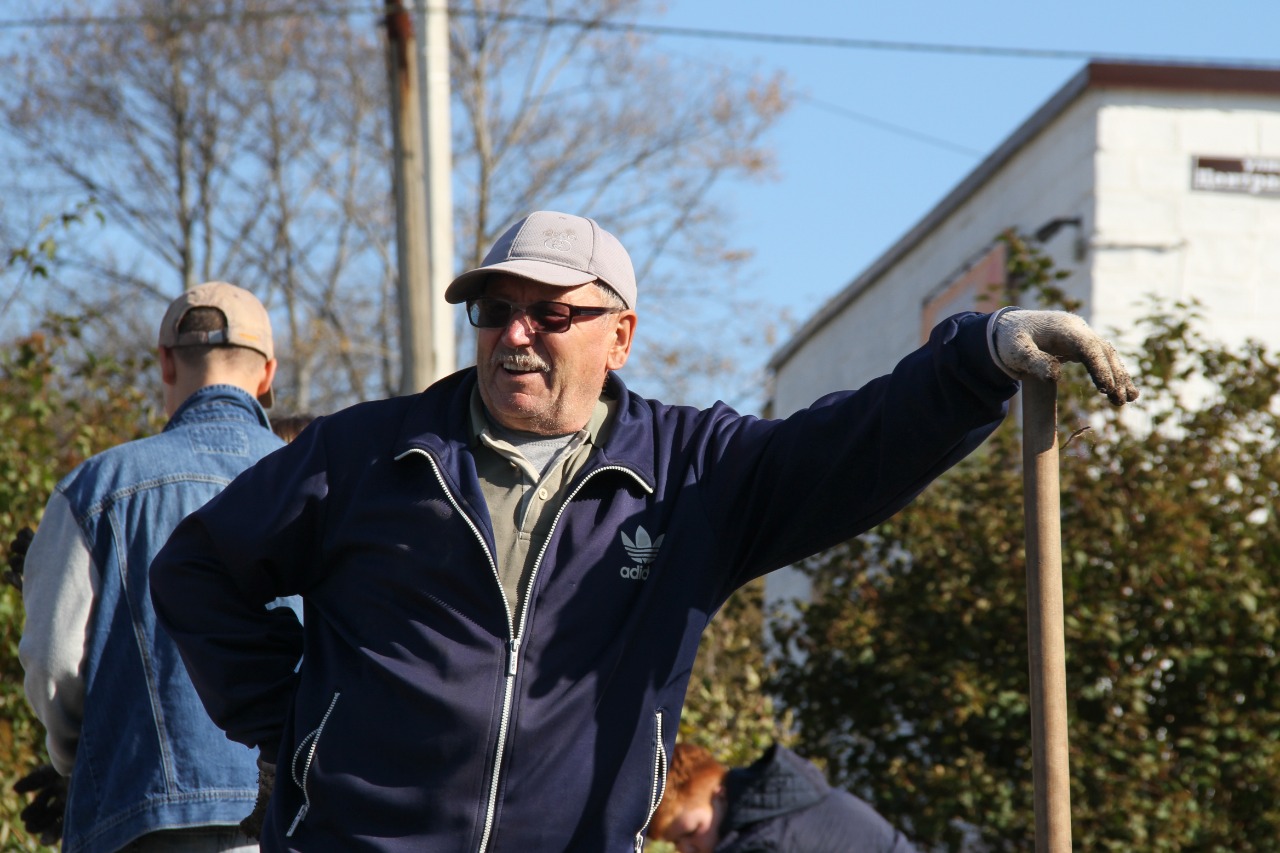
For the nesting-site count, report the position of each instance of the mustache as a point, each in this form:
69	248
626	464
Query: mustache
519	361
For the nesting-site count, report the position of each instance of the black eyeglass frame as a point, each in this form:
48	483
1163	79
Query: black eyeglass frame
539	313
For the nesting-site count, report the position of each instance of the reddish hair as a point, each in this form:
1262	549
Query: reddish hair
694	773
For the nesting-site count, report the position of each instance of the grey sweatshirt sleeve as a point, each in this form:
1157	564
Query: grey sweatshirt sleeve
60	588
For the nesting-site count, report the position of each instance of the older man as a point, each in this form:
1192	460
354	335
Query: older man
506	576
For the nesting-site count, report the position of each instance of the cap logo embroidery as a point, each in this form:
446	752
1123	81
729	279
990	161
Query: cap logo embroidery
560	241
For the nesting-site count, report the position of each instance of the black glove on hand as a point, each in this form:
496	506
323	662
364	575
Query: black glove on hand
252	825
43	816
18	556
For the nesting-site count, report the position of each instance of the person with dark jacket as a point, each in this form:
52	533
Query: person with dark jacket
780	804
505	576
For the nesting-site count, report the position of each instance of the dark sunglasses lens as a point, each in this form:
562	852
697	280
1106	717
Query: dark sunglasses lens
488	313
550	316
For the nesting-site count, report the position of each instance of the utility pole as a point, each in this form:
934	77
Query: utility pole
437	131
426	354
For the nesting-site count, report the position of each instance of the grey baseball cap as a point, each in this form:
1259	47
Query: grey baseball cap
553	248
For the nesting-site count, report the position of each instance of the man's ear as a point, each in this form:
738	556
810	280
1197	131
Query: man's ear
168	366
268	376
623	333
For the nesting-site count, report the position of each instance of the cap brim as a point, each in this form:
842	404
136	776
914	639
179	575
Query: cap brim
471	283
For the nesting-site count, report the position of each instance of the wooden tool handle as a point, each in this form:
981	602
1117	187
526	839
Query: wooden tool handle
1045	633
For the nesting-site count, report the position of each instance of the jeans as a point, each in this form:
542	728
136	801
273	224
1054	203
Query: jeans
200	839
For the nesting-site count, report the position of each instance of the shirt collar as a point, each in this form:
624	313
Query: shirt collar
594	429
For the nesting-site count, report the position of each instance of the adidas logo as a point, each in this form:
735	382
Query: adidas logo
641	549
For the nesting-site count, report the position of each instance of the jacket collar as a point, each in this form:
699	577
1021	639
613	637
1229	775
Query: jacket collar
219	402
438	422
777	783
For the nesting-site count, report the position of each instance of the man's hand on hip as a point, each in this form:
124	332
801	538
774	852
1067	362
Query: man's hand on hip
252	825
1033	344
18	556
43	816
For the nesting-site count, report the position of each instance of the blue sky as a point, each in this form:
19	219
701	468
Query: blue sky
847	186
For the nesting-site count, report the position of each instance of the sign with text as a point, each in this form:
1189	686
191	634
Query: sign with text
1252	175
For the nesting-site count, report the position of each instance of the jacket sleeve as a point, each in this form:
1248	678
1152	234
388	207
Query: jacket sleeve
780	491
212	581
59	592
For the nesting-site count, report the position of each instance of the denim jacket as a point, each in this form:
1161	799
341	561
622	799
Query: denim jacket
122	716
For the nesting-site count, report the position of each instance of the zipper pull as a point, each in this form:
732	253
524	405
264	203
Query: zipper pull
513	647
302	812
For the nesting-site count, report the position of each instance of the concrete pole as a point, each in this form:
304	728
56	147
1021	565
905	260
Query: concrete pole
416	367
437	131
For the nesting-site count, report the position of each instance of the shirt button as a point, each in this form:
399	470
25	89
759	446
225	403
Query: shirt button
542	494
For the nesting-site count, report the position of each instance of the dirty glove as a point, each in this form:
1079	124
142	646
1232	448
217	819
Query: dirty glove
18	556
43	815
1034	344
252	825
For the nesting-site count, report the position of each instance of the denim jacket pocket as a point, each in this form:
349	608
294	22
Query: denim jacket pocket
300	764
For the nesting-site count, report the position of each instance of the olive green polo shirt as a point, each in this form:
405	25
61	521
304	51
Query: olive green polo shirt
522	501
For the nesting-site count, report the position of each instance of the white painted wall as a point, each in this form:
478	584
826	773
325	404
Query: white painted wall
1154	234
1052	176
1120	159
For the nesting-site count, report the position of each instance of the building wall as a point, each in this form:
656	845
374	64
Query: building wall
1156	235
1050	177
1121	160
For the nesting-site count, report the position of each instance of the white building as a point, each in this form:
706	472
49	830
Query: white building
1142	179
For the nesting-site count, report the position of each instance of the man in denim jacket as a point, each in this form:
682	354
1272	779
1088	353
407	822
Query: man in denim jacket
148	769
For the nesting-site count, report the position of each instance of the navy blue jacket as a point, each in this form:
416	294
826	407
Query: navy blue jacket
782	804
423	717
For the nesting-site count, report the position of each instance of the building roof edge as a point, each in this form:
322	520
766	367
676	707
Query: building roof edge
1097	74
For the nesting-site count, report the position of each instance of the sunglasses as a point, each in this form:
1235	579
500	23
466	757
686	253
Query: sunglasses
490	312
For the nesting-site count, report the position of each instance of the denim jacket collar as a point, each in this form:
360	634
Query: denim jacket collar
219	403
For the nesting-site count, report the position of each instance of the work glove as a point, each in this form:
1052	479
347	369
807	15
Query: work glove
1033	344
252	825
18	556
43	815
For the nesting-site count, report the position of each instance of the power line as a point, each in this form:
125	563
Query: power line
853	115
897	129
659	30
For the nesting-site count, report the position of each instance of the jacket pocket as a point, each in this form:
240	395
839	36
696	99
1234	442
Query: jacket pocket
300	764
658	780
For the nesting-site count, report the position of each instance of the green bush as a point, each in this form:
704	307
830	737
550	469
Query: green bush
909	669
59	403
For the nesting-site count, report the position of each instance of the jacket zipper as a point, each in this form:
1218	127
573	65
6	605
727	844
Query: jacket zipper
314	740
513	650
658	786
524	611
514	639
